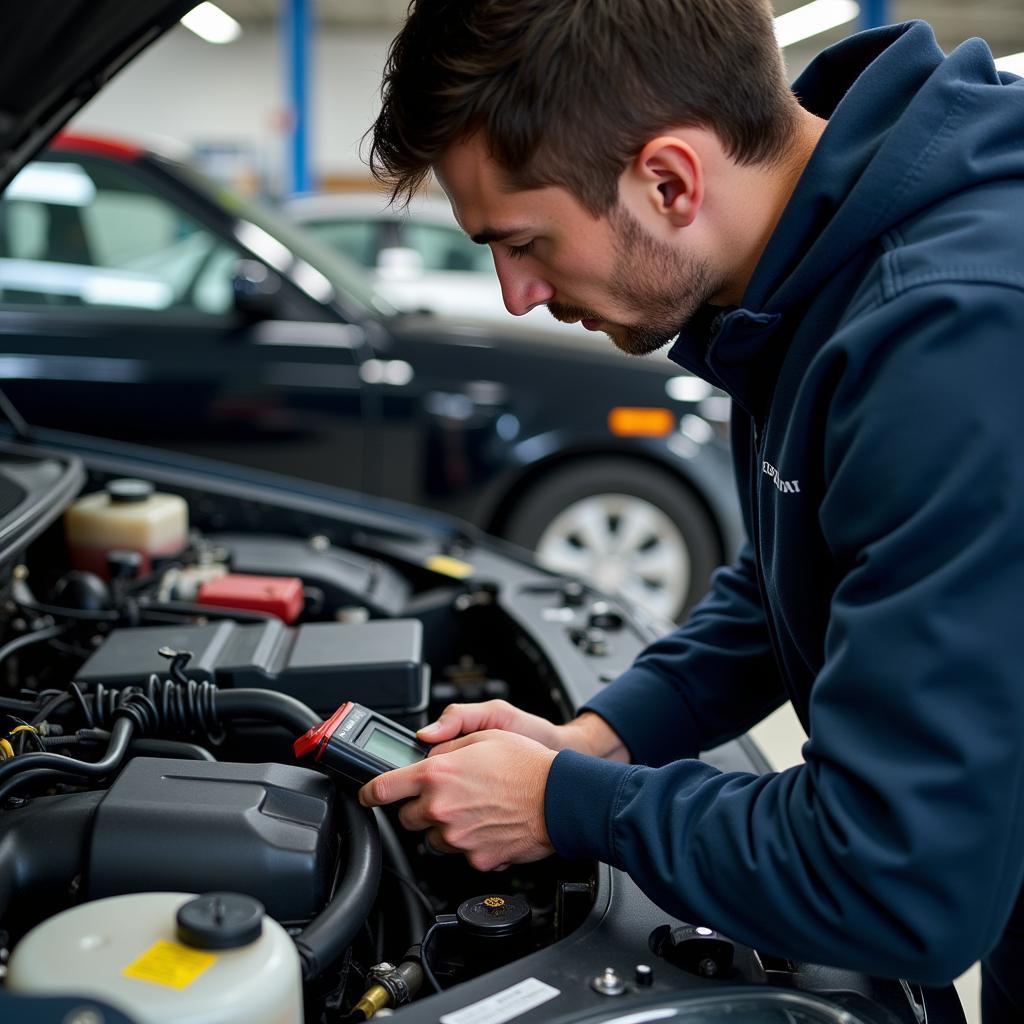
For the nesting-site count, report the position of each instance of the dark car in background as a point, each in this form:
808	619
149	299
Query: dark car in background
140	300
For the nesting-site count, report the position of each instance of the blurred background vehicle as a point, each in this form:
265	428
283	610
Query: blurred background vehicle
418	255
140	300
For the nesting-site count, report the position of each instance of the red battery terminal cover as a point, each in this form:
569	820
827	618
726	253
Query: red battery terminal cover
276	595
316	739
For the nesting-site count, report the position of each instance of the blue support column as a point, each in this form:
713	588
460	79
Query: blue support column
298	35
874	13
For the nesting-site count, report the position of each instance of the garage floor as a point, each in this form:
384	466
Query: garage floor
781	737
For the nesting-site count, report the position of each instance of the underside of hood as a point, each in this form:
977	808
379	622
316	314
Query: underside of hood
57	54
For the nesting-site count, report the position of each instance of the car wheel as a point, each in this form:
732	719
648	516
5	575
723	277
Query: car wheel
627	526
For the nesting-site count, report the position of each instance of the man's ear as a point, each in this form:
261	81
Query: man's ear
672	176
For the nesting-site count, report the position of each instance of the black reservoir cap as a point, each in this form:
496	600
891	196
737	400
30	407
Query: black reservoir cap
128	490
494	916
220	920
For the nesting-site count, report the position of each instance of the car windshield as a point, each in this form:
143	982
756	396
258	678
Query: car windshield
350	280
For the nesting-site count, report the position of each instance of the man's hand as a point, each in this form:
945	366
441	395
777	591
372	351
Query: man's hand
589	734
482	795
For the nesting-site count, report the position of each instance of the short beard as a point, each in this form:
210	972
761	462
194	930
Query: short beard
662	285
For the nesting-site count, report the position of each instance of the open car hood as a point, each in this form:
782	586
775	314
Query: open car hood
58	54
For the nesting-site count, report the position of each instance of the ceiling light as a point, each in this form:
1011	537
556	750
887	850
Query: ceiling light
209	22
814	18
1014	63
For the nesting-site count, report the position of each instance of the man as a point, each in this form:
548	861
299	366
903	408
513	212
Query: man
846	260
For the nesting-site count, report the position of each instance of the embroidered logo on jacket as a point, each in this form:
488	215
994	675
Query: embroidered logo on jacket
785	486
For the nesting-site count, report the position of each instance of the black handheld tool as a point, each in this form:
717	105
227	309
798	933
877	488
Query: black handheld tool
360	744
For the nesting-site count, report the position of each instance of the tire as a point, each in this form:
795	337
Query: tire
625	525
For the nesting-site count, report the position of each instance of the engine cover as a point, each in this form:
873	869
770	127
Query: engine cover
267	830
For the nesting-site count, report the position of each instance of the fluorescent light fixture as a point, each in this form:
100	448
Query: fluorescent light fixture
209	22
813	19
1014	63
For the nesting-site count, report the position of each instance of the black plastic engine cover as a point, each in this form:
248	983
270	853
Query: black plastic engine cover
267	830
323	664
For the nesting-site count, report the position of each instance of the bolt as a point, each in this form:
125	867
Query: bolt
644	975
608	983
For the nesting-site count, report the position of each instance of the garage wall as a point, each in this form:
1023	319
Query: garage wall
185	90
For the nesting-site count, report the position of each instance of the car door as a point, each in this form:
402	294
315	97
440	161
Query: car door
119	317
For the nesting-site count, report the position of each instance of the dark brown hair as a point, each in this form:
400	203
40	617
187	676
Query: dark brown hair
567	92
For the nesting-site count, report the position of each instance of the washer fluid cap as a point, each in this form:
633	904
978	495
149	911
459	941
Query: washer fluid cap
220	920
494	916
128	490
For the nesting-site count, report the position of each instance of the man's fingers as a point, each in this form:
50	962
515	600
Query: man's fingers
458	719
400	784
457	744
435	841
412	817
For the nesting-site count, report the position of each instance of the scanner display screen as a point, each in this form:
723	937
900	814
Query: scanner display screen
391	749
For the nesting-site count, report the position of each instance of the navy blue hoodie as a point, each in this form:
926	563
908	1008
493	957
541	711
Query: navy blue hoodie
876	368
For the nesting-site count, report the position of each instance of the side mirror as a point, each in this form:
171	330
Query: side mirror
399	264
256	290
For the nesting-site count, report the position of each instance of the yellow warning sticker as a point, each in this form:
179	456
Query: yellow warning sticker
170	964
448	566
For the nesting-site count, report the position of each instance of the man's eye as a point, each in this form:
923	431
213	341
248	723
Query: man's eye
517	252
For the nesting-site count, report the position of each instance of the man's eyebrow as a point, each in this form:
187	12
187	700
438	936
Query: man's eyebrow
497	235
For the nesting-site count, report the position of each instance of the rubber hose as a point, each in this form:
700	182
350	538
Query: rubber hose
120	737
169	748
333	930
23	778
270	706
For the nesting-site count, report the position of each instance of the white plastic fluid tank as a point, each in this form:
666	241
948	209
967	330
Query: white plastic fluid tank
167	958
129	515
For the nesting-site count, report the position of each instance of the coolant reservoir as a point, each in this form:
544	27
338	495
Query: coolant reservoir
167	958
127	515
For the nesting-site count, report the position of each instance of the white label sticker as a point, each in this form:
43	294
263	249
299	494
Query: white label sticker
504	1005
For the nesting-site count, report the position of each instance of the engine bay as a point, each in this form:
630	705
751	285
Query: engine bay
165	853
150	701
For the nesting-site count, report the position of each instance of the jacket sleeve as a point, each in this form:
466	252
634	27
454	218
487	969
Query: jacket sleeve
704	683
898	847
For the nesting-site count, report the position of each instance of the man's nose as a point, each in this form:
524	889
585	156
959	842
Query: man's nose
521	288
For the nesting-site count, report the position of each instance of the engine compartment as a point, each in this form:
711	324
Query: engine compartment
154	733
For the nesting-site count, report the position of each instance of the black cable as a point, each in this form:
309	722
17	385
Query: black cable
443	921
26	707
414	889
182	708
206	610
399	866
57	611
21	780
83	705
49	707
27	639
120	737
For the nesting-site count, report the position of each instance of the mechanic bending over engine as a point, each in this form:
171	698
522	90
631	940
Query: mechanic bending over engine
845	260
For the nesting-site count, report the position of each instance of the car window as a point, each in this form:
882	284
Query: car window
446	249
357	239
91	234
